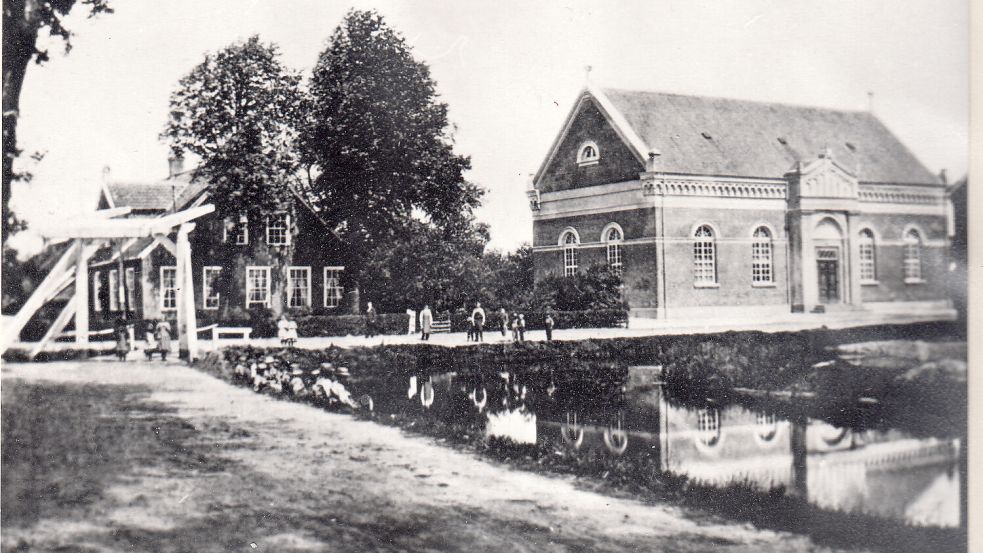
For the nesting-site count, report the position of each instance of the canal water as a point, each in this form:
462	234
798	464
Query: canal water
626	412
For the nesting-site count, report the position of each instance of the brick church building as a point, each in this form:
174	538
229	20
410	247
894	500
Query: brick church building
713	207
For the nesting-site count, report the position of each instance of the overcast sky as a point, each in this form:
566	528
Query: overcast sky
510	72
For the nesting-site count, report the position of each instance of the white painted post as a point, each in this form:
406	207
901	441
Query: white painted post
82	298
179	279
56	327
12	329
186	292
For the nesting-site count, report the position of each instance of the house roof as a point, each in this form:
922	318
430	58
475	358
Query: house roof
721	136
152	196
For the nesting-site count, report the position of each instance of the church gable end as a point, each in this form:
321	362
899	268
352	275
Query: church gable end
569	169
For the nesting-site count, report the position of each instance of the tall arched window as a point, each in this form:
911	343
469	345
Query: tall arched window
912	256
704	256
570	243
761	253
613	237
868	256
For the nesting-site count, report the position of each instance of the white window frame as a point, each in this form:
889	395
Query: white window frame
242	230
615	252
335	286
306	297
249	287
570	241
165	289
131	287
96	289
912	256
113	290
762	257
705	257
286	229
867	246
583	159
210	298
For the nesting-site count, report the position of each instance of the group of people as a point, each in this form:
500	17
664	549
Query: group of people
324	385
157	338
286	331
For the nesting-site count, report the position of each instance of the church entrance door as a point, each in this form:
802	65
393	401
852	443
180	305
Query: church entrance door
828	269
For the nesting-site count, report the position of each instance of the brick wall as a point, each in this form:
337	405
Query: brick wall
889	232
616	162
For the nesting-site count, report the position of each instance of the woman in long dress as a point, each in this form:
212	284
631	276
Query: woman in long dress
164	338
426	321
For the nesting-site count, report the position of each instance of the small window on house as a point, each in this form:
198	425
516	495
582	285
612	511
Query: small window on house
613	239
298	286
570	244
912	257
704	257
761	254
333	291
589	154
258	286
168	288
113	290
241	230
96	291
278	230
131	289
868	257
210	295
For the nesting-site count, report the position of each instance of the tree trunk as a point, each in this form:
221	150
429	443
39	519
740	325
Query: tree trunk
20	31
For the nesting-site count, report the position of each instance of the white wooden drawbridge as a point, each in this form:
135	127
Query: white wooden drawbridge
86	237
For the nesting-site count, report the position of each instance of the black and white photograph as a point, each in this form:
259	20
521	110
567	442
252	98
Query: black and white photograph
559	276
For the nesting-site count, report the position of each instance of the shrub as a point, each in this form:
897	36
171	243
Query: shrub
343	325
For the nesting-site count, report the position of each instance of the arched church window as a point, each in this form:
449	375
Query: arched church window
570	242
704	256
912	256
868	256
761	256
613	238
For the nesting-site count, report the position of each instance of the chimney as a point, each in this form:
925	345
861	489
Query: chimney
106	173
944	176
870	102
175	165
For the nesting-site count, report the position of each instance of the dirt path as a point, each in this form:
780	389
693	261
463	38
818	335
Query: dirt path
306	480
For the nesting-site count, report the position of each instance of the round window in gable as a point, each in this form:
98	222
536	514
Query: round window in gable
589	154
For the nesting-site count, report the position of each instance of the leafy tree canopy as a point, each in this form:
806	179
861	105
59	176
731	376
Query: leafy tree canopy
239	111
380	141
23	21
596	288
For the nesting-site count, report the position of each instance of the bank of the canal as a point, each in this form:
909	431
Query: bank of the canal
778	429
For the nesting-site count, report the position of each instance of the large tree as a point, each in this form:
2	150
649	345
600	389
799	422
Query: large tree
238	110
380	142
23	21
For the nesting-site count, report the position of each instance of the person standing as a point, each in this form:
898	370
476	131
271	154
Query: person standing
369	321
549	327
470	327
122	339
478	315
426	320
515	326
164	338
522	327
151	346
504	320
281	330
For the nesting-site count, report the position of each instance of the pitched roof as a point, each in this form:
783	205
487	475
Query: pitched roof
720	136
157	196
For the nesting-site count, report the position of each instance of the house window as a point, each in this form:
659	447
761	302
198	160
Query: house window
588	154
278	230
298	286
912	256
209	289
613	238
168	288
241	230
258	286
333	291
704	257
131	289
96	291
761	253
113	290
868	257
570	243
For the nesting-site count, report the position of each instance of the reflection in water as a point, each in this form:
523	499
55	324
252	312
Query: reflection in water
886	473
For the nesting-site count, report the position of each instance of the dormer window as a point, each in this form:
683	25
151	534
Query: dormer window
589	154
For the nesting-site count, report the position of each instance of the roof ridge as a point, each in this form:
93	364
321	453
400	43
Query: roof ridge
739	100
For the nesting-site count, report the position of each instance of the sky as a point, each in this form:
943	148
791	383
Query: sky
510	72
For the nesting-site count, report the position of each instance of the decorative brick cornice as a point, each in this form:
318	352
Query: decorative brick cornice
655	186
894	194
